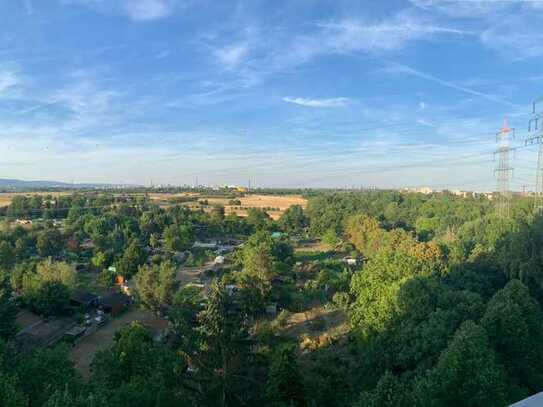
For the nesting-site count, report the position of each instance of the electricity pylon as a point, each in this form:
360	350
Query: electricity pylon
503	170
535	128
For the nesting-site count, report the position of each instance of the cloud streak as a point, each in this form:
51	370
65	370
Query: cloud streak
318	103
136	10
399	68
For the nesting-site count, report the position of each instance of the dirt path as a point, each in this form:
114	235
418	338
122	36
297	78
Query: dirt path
83	352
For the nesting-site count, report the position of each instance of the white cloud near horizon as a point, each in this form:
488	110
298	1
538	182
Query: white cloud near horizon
319	103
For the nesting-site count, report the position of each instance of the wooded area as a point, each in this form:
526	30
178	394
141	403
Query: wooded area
442	300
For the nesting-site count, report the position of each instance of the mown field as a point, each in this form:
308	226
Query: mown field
275	205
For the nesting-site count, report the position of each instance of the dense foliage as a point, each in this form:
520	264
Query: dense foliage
442	300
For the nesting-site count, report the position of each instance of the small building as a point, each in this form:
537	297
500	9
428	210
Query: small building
84	299
219	260
114	303
44	333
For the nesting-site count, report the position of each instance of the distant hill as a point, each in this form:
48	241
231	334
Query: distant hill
16	184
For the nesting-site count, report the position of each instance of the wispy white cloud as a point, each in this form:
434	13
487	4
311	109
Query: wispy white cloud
145	10
508	27
323	103
163	54
136	10
518	35
459	8
232	56
358	35
8	78
258	52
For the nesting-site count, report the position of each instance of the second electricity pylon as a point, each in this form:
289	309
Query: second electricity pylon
503	170
535	128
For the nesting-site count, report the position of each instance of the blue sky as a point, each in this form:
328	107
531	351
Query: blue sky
285	93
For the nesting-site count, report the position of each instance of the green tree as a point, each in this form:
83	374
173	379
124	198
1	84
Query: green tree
7	255
258	218
11	394
223	356
66	398
22	247
389	392
330	238
62	272
155	285
49	243
514	322
51	298
365	234
99	261
132	258
293	220
285	383
137	372
183	314
56	373
179	238
466	374
8	309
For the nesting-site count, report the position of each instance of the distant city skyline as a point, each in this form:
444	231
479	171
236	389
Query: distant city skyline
286	93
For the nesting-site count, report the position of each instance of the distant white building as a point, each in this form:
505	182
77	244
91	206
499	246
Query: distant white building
421	190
